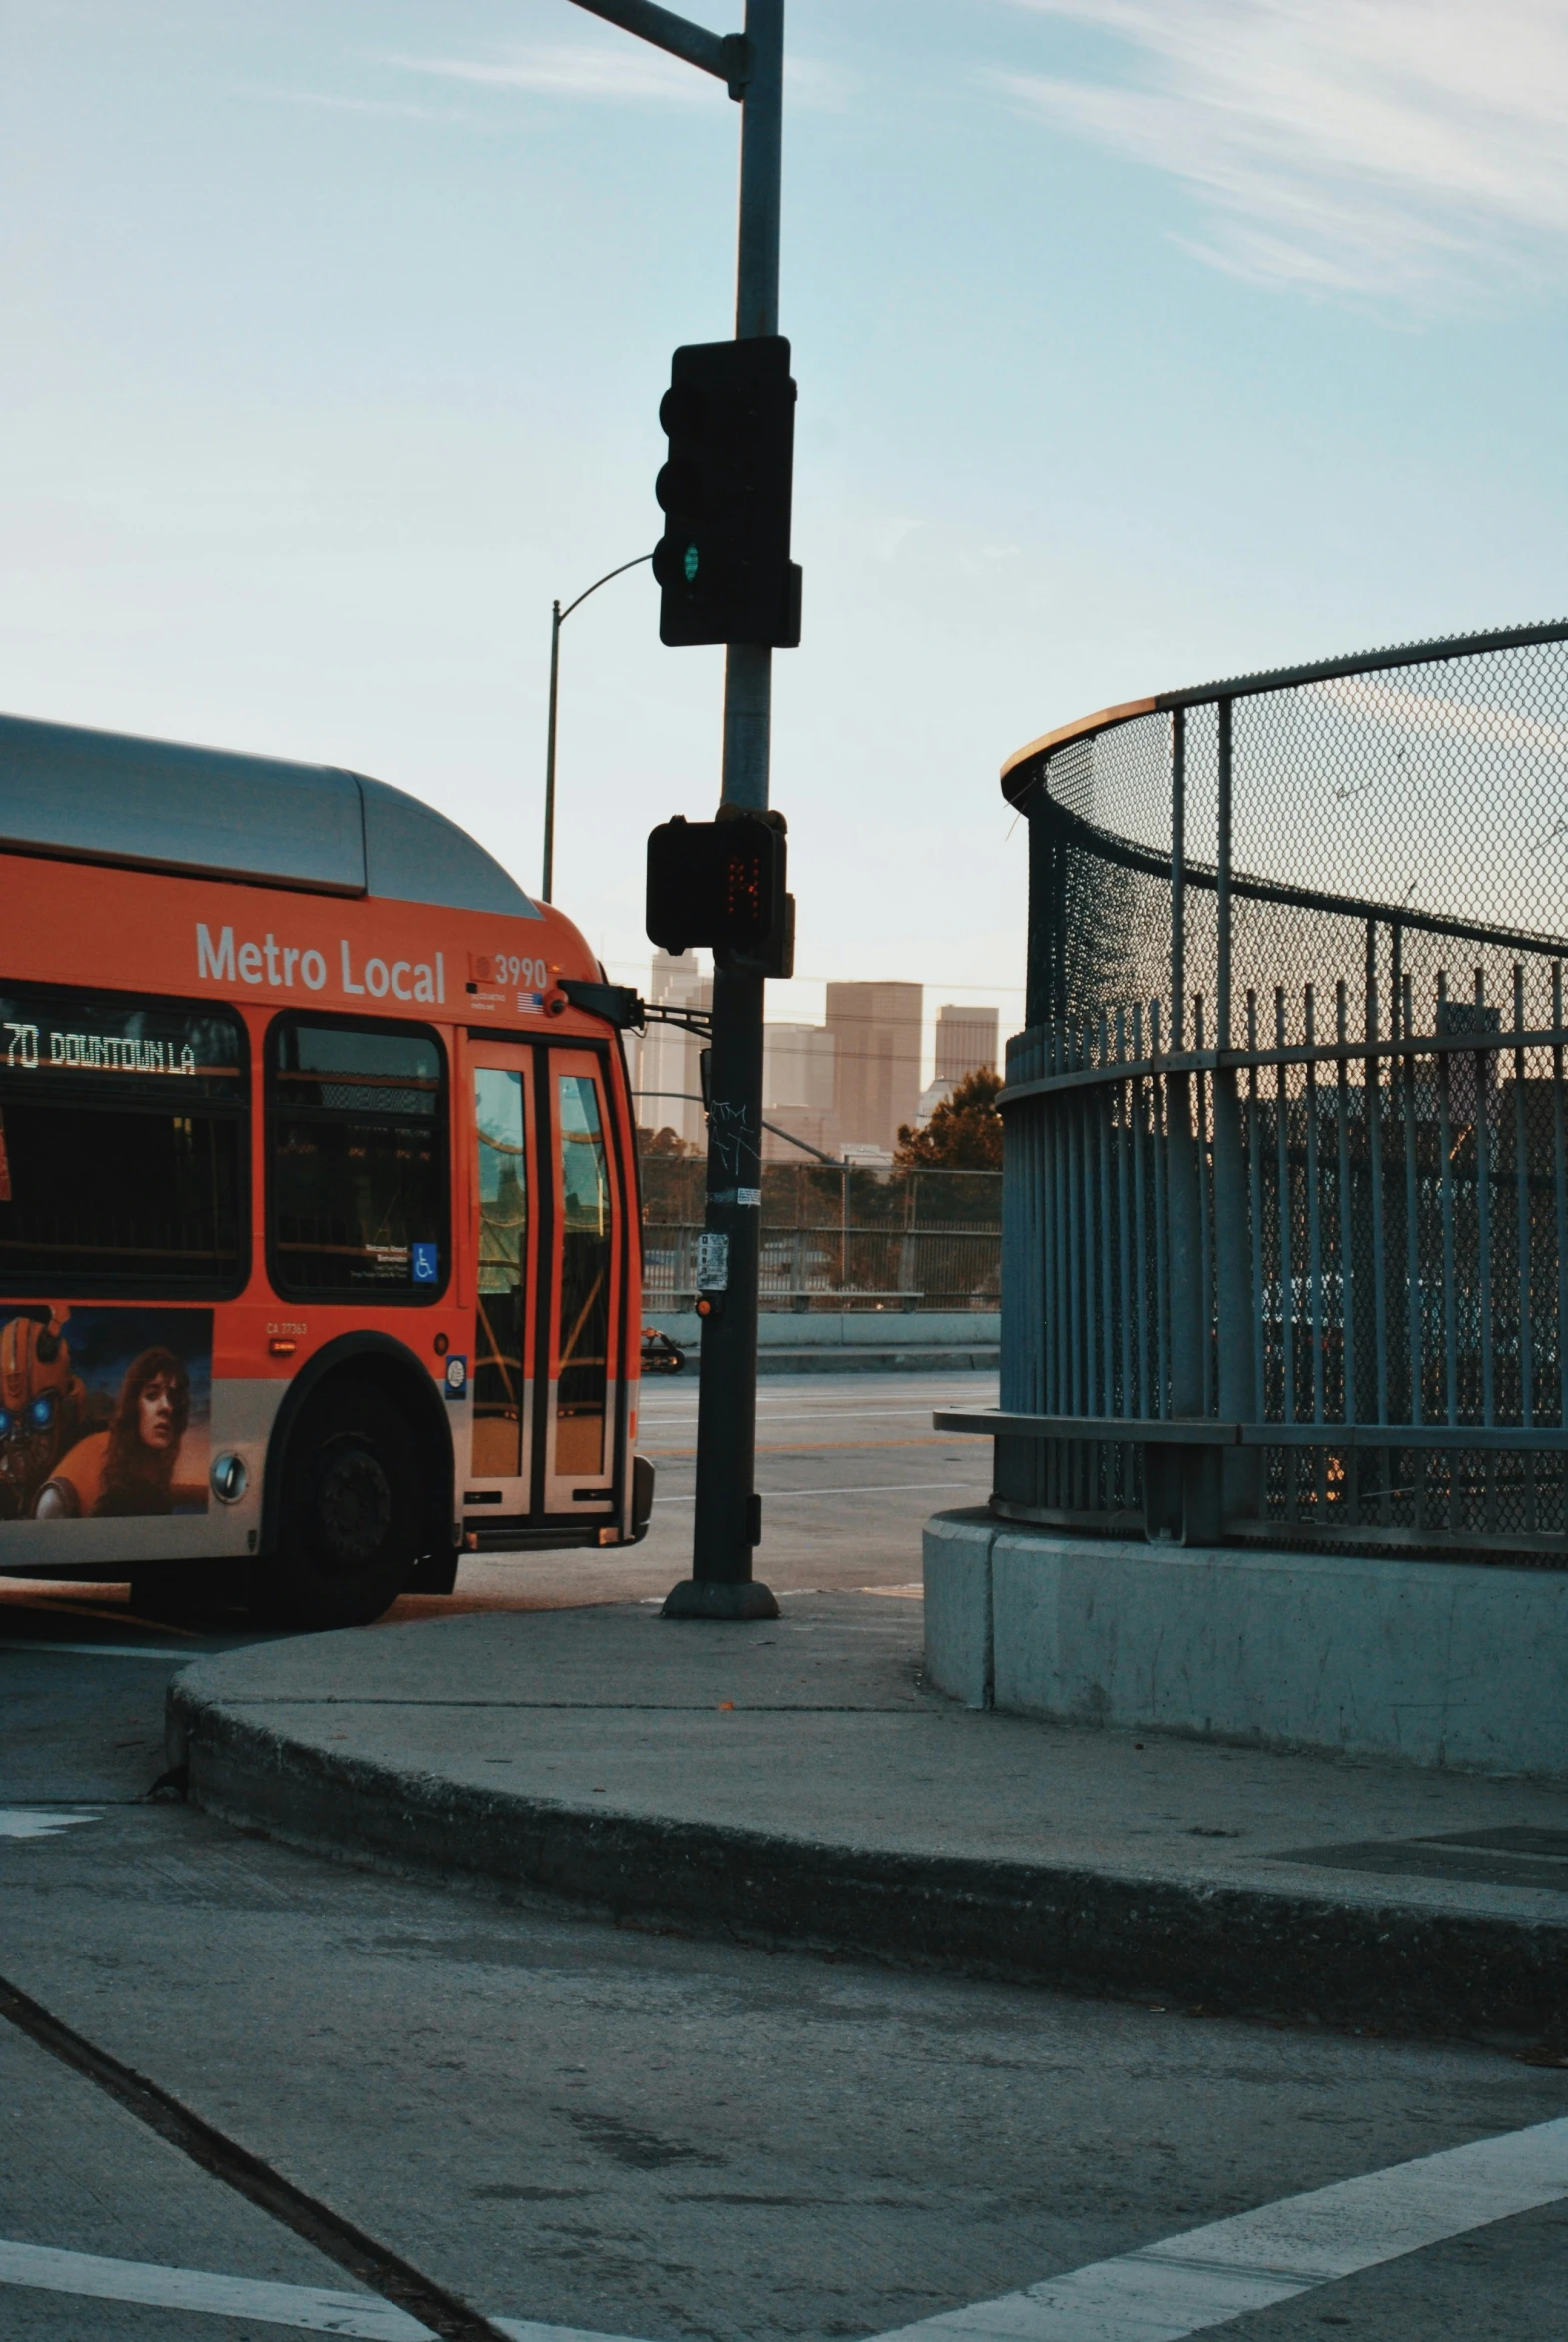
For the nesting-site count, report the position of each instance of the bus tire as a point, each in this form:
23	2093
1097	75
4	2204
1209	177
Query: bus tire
350	1519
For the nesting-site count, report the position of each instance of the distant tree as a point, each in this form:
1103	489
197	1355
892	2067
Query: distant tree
663	1142
964	1132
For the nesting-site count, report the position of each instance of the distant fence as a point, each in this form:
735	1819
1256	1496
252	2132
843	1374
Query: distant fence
1287	1152
836	1237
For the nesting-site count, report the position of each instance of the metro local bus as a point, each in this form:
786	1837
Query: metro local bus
318	1225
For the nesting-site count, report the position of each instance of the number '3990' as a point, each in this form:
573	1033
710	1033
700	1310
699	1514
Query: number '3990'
507	968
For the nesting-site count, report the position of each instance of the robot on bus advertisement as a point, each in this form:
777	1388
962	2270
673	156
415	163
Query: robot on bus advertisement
104	1413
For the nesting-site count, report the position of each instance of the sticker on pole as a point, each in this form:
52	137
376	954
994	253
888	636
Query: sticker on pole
712	1264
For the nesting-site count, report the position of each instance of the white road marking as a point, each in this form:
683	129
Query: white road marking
1161	2293
309	2307
99	1650
38	1821
1210	2275
525	2330
886	1488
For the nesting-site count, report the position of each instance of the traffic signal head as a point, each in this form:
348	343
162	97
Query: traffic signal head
723	563
720	884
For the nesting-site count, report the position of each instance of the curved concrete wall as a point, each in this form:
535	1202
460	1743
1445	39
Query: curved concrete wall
1433	1663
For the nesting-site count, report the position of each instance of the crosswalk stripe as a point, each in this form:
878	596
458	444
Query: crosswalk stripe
1161	2292
311	2309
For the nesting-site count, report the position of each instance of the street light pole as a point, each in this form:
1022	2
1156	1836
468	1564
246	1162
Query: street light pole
558	618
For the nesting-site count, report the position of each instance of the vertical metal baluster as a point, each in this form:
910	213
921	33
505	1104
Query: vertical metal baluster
1286	1250
1053	1135
1412	1206
1049	1240
1089	1286
1105	1097
1445	1173
1560	1187
1222	877
1179	879
1374	1159
1165	1135
1234	1344
1123	1096
1254	1167
1375	1152
1137	1403
1142	1092
1486	1333
1157	1134
1206	1248
1315	1249
1445	1144
1521	1184
1350	1388
1075	1393
1082	1250
1483	1211
1083	1319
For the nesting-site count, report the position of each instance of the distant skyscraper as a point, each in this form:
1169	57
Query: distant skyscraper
667	1077
796	1064
966	1039
797	1090
877	1030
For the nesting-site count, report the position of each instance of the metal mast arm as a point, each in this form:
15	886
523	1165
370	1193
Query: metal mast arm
725	55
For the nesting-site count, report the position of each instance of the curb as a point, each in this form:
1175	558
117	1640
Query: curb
1231	1951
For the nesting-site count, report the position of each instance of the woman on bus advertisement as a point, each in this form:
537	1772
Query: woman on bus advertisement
104	1413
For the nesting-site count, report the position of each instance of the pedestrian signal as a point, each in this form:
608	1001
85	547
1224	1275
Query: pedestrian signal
720	885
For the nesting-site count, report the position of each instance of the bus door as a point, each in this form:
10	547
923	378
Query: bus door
506	1182
588	1269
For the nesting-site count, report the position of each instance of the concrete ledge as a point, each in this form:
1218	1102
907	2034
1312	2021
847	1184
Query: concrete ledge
959	1631
1438	1664
1250	1948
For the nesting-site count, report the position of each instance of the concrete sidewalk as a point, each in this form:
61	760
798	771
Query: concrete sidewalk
797	1782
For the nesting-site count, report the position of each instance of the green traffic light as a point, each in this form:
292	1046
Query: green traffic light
690	564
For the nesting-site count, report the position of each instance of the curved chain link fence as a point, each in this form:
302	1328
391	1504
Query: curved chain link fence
1286	1198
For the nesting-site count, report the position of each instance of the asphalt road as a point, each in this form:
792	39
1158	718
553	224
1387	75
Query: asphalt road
622	2133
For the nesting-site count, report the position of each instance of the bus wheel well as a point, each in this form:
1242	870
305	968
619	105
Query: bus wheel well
386	1367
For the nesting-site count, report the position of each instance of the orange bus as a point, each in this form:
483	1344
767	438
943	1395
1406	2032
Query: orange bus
319	1221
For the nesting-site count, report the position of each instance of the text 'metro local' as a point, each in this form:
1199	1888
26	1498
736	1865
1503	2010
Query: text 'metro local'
280	966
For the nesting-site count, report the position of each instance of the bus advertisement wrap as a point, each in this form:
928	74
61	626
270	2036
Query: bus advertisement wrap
104	1413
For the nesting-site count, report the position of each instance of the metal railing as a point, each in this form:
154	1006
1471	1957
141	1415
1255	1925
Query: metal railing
834	1237
1286	1212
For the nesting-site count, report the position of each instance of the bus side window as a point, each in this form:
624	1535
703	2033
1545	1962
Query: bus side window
122	1148
357	1161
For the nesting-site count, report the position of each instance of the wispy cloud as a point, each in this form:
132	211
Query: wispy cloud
398	108
628	71
1402	147
577	70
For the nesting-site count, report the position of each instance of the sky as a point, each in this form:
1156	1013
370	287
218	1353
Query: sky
1138	341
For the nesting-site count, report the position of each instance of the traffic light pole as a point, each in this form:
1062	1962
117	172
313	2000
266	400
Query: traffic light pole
728	1511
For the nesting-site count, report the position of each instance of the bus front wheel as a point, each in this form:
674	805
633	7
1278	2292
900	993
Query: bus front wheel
347	1527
